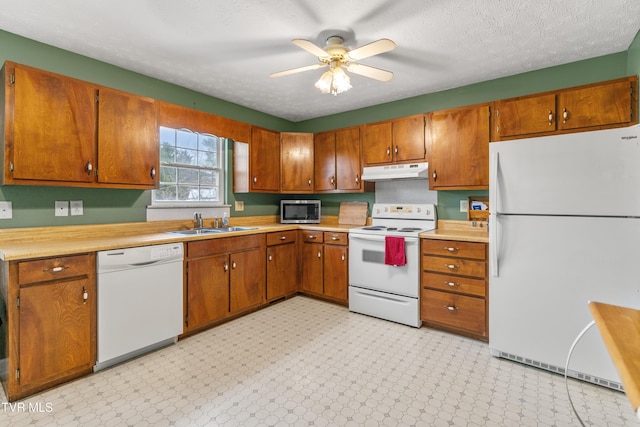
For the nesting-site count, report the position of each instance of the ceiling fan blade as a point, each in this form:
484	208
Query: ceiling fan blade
310	47
371	49
297	70
371	72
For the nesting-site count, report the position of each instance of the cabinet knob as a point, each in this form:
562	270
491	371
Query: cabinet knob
565	115
56	269
89	167
153	172
357	179
85	295
449	249
334	238
396	150
451	266
550	117
332	181
388	151
435	175
451	284
343	257
255	179
270	257
451	307
233	265
226	266
311	236
319	254
283	237
309	182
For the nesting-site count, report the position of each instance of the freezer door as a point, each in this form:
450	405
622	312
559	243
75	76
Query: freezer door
549	269
587	173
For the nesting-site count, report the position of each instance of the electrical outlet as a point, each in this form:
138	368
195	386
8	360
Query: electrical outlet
62	208
6	210
76	207
239	206
464	206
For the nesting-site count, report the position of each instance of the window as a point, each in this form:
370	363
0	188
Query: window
191	168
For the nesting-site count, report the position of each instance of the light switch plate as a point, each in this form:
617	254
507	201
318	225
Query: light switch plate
239	206
76	207
464	206
6	210
62	208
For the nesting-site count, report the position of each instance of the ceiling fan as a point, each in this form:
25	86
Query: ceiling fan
338	57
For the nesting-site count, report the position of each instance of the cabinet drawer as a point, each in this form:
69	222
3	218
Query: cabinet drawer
336	238
456	284
54	268
463	267
312	236
454	248
280	237
453	310
224	245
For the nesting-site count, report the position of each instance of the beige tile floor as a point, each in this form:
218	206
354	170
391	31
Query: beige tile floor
304	362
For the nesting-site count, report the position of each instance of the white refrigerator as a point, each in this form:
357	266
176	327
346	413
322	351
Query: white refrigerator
564	229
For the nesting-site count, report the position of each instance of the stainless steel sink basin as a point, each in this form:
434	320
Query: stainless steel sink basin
200	231
196	231
235	228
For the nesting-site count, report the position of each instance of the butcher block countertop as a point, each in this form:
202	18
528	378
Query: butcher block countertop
39	242
620	331
459	230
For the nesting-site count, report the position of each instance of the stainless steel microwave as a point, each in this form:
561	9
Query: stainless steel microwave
300	211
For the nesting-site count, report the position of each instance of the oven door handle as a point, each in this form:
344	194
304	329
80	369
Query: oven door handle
407	240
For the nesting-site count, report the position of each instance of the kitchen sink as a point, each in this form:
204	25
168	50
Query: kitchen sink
235	228
200	231
196	231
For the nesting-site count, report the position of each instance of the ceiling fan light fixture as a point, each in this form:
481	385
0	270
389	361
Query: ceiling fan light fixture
334	81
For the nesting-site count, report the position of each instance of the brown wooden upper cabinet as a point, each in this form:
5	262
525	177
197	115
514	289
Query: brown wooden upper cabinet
63	131
395	141
264	160
337	161
590	107
296	162
459	148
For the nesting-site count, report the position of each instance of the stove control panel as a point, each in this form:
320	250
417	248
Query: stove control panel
411	211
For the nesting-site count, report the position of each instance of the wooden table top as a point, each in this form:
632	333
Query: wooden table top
620	330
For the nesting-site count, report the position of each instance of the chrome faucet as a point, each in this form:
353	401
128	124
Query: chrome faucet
197	217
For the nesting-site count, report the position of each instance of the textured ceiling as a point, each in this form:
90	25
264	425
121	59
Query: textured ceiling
227	49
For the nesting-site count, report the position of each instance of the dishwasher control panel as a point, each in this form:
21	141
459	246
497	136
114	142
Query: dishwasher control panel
166	251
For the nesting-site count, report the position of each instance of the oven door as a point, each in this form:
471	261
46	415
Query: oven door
368	270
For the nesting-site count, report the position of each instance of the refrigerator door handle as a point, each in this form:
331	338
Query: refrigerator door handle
493	215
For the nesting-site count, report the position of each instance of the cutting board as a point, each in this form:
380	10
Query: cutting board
354	213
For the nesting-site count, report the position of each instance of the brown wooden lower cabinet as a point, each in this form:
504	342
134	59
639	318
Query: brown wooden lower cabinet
454	281
224	277
282	265
325	265
51	322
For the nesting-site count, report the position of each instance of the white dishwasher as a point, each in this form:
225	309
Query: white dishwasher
139	301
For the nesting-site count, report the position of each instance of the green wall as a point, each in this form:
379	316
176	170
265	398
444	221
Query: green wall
33	206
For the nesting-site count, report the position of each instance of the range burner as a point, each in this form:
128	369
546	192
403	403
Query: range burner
409	229
375	227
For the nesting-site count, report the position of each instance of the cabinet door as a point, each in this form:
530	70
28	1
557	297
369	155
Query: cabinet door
56	330
324	158
207	290
54	127
376	143
335	271
525	116
264	160
312	268
282	271
408	139
247	280
601	105
128	150
460	148
347	155
296	160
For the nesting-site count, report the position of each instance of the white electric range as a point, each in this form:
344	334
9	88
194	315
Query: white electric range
378	289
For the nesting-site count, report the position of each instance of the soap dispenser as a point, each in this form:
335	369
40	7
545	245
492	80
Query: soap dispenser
225	220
